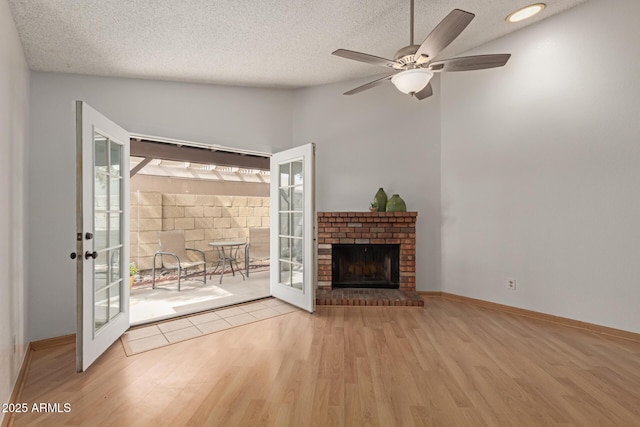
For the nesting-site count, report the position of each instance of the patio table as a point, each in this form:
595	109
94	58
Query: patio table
228	251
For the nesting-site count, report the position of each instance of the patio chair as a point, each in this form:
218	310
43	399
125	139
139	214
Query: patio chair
258	248
174	255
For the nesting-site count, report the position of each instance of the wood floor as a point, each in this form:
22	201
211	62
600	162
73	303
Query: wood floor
447	364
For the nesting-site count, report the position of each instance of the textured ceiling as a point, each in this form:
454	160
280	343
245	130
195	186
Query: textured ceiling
269	43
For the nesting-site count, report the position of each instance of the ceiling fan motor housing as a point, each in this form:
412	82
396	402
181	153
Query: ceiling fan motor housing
406	55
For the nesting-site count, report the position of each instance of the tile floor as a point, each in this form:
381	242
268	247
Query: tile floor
162	334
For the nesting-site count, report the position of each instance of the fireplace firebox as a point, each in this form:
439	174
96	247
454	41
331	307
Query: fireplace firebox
366	266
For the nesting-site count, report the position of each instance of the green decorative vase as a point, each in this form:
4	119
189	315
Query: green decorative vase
396	204
381	199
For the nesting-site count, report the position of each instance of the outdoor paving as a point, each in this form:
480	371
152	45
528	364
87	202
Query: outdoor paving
163	302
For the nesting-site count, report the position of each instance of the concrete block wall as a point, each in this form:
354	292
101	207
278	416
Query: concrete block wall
204	219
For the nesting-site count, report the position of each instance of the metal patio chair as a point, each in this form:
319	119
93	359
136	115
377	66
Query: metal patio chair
174	255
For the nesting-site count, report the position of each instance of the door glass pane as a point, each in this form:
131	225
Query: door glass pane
114	301
100	269
285	221
296	250
285	248
296	276
296	224
114	264
115	237
285	273
284	174
100	155
114	194
285	199
100	192
101	232
296	173
116	158
296	198
101	309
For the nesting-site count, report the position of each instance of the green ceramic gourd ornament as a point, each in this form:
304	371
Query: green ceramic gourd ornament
381	199
396	204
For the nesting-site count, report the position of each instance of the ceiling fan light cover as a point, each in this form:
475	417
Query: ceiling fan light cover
412	81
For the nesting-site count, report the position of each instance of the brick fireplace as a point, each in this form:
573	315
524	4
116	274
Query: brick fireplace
368	228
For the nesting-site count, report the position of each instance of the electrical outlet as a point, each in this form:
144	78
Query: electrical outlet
511	284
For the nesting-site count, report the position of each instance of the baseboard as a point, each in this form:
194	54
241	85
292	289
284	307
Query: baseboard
7	421
592	327
429	293
53	342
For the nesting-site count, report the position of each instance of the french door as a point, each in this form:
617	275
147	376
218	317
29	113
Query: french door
293	227
102	233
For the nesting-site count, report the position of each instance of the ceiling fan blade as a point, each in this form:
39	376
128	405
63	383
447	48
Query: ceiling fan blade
444	33
466	63
426	92
368	85
364	57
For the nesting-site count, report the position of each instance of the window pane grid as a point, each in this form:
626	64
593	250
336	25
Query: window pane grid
291	225
108	214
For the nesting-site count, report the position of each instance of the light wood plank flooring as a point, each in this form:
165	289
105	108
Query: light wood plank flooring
447	364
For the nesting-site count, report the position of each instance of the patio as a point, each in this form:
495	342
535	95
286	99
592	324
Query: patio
164	302
209	202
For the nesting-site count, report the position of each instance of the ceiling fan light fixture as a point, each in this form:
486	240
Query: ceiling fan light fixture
413	65
412	81
525	12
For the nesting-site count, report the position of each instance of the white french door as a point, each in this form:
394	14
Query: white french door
102	233
293	227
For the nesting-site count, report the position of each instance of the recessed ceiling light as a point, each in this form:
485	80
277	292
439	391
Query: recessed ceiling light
525	12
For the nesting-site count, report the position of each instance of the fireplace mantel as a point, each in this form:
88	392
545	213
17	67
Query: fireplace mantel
368	228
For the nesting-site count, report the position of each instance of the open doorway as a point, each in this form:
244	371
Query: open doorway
209	196
103	219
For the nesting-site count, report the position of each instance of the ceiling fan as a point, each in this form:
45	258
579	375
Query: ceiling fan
414	65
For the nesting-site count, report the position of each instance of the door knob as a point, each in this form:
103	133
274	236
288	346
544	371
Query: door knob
88	255
88	236
73	255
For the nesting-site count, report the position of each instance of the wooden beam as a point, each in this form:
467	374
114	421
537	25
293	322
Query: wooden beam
163	151
139	166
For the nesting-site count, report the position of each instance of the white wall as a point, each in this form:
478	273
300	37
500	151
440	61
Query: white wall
248	118
14	97
541	169
377	138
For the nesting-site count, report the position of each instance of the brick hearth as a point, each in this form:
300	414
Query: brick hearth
368	297
368	228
